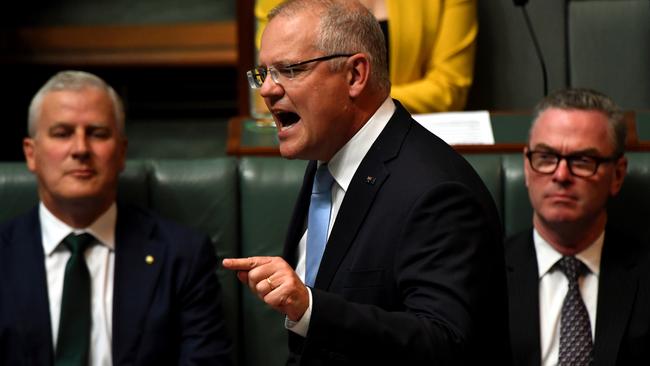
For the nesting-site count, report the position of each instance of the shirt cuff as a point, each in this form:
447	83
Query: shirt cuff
301	326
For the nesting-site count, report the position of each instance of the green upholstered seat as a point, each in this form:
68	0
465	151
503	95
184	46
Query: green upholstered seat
244	206
488	167
630	210
269	188
200	193
517	212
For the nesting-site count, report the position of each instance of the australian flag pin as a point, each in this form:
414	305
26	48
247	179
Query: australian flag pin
370	180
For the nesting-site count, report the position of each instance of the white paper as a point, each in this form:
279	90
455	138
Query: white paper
459	128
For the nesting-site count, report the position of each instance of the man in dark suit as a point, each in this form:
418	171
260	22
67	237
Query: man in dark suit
86	281
412	271
600	314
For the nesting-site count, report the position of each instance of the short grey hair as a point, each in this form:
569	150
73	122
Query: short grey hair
73	81
588	100
345	27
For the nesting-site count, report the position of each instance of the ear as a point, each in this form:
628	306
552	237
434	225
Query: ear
620	169
28	150
359	73
526	166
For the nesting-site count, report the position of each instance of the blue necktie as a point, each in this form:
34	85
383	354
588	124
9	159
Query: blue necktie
320	207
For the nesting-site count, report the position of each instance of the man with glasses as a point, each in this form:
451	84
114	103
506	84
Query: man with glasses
394	252
575	286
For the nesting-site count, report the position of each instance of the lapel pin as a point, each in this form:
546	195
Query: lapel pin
148	259
370	180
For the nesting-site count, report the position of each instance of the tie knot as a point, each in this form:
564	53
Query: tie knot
78	243
572	268
323	180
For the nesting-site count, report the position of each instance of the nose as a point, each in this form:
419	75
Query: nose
270	88
80	147
562	173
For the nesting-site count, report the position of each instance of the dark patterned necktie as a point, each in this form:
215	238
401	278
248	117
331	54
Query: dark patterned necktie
73	342
576	346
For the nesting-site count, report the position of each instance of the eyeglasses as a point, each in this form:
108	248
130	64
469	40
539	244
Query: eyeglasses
257	75
546	162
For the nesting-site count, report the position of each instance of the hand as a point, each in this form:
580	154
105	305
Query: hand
274	281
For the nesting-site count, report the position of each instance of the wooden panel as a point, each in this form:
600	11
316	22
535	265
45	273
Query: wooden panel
245	34
138	45
632	138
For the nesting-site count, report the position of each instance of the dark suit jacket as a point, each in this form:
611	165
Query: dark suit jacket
623	309
167	313
413	270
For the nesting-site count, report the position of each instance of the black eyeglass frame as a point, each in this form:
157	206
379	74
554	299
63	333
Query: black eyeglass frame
571	159
261	72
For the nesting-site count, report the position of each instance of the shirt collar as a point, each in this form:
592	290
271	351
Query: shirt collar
345	162
547	256
53	230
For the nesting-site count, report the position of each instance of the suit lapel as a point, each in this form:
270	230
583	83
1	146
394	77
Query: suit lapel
523	299
26	269
365	184
135	280
616	291
352	213
298	220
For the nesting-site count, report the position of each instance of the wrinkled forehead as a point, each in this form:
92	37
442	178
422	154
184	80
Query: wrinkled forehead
91	104
288	39
90	98
572	129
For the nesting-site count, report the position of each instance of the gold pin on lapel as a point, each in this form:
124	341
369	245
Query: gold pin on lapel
148	259
370	180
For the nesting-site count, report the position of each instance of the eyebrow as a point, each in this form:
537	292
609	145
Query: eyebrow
590	151
278	64
98	124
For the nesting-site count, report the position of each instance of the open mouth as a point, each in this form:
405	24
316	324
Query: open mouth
287	119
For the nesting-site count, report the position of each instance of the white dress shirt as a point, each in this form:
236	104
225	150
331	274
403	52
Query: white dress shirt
100	258
342	166
553	287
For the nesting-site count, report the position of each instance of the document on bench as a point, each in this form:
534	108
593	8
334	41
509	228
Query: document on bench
459	128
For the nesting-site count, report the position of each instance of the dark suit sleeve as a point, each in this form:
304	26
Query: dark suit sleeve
204	339
447	255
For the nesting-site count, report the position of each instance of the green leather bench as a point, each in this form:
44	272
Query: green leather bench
268	191
244	206
269	186
201	193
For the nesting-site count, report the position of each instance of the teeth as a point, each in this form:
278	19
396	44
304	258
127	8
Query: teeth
284	128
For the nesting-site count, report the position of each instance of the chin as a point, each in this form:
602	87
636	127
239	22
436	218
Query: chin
287	154
290	152
85	191
79	196
562	218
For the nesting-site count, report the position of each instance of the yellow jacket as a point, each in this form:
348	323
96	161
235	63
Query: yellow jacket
432	45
